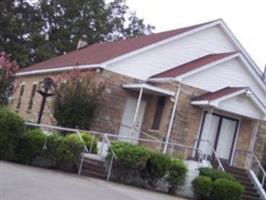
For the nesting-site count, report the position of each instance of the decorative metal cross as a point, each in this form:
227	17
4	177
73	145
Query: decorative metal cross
45	89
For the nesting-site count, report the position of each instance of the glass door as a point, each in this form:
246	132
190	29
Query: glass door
225	139
221	135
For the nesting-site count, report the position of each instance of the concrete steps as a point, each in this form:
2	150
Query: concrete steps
250	192
94	166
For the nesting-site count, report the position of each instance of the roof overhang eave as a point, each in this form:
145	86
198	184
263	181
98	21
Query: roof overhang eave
148	88
59	69
216	102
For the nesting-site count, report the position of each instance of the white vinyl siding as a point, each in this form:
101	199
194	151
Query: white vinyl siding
231	73
174	53
237	104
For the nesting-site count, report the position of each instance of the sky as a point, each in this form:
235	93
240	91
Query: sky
246	18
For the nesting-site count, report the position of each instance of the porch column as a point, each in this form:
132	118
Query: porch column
252	144
208	127
137	110
171	119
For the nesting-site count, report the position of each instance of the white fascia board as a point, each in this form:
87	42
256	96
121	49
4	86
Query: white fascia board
203	68
149	87
231	95
161	80
203	102
252	96
236	55
237	43
257	101
59	69
253	72
162	42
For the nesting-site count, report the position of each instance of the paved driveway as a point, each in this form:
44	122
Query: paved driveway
18	182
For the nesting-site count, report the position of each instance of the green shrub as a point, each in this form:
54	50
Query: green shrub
52	152
68	153
177	174
215	174
157	167
12	128
31	145
202	186
89	140
224	189
130	155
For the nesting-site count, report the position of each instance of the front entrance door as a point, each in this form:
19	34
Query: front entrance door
221	135
128	117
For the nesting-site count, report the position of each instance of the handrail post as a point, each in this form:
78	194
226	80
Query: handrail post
110	168
92	143
101	152
84	145
81	164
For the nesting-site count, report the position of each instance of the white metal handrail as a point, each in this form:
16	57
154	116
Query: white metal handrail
106	138
255	158
220	165
61	129
140	131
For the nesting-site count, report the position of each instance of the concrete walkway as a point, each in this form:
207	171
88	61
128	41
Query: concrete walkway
18	182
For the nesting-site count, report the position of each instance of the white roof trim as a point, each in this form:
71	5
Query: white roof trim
219	22
161	80
152	88
236	42
162	42
215	103
207	66
59	69
237	55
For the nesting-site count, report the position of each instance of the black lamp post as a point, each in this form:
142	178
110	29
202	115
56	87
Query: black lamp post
45	89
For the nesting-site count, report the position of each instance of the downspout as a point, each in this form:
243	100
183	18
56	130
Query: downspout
172	118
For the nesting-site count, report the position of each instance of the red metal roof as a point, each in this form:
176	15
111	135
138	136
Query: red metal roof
100	52
192	65
209	96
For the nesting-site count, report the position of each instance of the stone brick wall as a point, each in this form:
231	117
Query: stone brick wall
31	115
108	115
187	119
243	141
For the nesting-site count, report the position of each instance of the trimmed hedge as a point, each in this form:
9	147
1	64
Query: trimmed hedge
51	151
202	186
157	167
224	189
130	155
89	140
141	166
69	152
176	175
12	128
215	184
31	146
215	174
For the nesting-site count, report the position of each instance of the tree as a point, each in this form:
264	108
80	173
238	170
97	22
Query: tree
20	30
33	32
76	99
7	74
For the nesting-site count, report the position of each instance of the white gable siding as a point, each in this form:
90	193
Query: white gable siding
231	73
174	53
237	104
